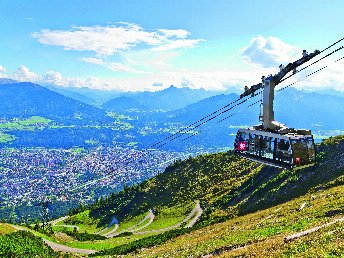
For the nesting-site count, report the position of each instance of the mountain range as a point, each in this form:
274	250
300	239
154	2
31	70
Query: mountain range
295	108
160	114
23	100
212	204
172	98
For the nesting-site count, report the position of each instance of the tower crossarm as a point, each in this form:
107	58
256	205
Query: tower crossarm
251	90
283	71
292	66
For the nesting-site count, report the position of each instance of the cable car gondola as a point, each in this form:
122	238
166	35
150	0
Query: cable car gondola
273	143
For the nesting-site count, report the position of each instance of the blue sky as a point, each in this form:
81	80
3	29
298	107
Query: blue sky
149	45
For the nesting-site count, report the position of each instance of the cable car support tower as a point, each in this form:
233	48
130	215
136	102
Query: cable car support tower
268	85
262	142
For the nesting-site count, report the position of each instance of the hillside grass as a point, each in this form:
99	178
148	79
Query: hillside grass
242	190
83	221
29	124
327	242
108	243
169	216
62	229
231	190
130	222
23	244
202	178
6	228
4	137
273	223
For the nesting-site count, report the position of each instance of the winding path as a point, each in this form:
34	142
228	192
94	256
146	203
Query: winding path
112	232
197	210
113	221
138	226
58	247
149	216
194	214
63	248
54	222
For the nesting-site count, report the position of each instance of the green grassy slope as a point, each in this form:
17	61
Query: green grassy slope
263	232
5	229
231	187
24	244
202	178
327	242
238	197
225	184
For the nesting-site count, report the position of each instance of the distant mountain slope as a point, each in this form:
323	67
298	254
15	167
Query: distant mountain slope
306	109
207	106
72	94
330	91
7	81
171	98
295	108
87	95
26	99
125	104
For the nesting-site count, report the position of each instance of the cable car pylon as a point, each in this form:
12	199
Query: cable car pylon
271	142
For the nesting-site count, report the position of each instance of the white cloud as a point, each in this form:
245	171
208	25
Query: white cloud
113	66
107	40
54	78
162	73
92	60
175	33
118	67
330	77
270	52
181	43
211	80
23	74
2	71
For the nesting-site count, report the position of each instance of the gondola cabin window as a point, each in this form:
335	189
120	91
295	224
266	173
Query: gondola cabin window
283	151
303	151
